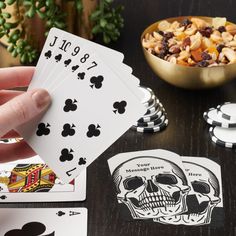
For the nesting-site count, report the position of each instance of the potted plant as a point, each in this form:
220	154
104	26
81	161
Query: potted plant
25	23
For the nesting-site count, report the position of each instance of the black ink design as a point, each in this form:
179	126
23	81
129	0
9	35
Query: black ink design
58	57
82	161
70	105
61	213
68	130
3	197
120	107
69	171
96	81
74	68
66	155
48	54
67	62
81	75
93	131
43	129
30	229
74	213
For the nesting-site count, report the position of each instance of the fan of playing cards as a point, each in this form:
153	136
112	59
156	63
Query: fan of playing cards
95	99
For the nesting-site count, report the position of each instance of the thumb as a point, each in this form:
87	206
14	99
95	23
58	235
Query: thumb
22	109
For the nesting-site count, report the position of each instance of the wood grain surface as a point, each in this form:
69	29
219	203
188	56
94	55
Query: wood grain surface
187	133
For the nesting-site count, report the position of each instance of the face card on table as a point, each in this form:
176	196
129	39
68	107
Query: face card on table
31	180
85	118
43	222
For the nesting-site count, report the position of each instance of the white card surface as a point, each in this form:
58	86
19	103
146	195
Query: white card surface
90	109
43	222
30	180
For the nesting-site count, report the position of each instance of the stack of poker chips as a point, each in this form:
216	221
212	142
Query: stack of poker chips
223	124
155	118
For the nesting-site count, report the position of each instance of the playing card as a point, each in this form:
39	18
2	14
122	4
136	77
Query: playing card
77	127
151	184
58	47
43	222
31	180
205	201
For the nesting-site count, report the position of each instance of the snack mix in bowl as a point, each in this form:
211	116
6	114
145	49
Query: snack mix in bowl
193	42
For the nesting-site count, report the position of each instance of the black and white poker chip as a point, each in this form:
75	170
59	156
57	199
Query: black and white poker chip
154	129
223	136
155	107
149	96
150	117
153	123
212	117
227	111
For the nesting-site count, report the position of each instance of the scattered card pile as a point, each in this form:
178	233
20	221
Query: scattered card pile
223	124
155	119
166	188
95	99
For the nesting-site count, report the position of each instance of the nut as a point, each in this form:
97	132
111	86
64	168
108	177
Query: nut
164	25
172	59
199	23
227	37
230	54
148	44
184	55
191	30
232	43
157	36
231	29
191	62
175	49
196	41
216	37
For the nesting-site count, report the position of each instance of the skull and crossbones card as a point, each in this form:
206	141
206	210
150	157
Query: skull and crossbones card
166	188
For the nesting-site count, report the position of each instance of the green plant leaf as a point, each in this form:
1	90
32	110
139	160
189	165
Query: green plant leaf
95	15
103	22
2	5
10	2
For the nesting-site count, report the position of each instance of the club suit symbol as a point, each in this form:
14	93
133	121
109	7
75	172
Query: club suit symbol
96	81
93	130
3	197
58	57
67	62
68	130
119	107
70	105
48	54
81	75
61	213
43	129
82	161
30	229
66	155
74	68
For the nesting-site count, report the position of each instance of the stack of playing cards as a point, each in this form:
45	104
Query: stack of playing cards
95	99
223	121
163	187
155	119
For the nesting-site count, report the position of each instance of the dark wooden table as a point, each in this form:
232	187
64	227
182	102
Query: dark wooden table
187	133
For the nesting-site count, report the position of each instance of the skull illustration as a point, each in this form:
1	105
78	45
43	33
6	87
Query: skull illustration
151	187
200	205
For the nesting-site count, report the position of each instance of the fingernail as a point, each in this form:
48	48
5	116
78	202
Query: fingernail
41	98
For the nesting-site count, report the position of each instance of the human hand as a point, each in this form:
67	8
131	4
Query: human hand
16	108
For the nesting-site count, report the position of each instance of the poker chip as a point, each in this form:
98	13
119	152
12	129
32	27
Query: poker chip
157	121
154	129
223	136
212	117
153	116
155	107
227	111
149	97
